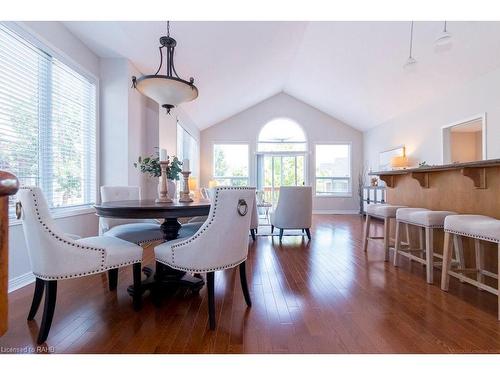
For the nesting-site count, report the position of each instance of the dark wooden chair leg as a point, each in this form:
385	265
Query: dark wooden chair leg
37	298
308	232
244	284
48	310
272	229
211	300
137	298
113	278
303	230
252	232
281	234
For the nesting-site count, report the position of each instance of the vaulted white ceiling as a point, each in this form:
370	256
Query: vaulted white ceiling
351	70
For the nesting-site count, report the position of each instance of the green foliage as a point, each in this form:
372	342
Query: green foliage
151	166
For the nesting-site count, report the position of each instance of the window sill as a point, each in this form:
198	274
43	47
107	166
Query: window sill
333	195
61	213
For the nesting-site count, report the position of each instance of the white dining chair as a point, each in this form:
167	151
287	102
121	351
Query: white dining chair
294	210
220	243
138	231
55	255
254	222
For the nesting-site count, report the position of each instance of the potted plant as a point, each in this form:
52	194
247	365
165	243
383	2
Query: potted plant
150	165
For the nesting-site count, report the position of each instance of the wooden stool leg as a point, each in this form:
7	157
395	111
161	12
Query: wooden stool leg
387	227
408	235
447	250
421	241
366	232
459	252
397	240
478	249
429	254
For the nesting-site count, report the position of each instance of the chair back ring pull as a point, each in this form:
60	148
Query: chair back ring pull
242	207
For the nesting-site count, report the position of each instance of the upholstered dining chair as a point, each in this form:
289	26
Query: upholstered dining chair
294	210
55	255
138	231
204	194
254	222
220	243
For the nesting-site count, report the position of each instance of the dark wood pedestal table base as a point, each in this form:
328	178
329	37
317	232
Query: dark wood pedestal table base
165	278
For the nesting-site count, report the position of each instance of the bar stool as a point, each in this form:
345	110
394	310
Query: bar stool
384	212
480	228
426	220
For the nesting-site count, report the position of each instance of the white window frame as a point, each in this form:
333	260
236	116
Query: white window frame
313	167
249	177
32	37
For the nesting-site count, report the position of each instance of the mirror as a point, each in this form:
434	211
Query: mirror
465	141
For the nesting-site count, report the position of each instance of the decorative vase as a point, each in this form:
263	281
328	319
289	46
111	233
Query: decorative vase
172	187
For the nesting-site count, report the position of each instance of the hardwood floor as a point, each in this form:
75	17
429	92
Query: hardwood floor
326	296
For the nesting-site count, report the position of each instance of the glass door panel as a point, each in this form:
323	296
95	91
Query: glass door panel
280	170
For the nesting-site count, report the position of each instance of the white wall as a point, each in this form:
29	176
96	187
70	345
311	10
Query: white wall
420	130
318	126
129	127
59	39
168	129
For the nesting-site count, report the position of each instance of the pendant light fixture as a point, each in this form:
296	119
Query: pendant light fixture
410	61
444	38
168	90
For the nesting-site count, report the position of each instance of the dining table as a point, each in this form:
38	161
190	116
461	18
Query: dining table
164	278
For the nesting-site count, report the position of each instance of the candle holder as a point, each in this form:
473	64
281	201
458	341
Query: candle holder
184	195
163	190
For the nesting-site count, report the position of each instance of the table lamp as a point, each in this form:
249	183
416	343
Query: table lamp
399	162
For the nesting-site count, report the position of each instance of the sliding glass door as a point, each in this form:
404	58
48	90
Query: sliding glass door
279	169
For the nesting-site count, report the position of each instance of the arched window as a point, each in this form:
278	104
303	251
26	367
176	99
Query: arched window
281	135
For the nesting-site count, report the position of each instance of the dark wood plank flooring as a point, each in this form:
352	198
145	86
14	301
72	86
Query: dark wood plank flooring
326	296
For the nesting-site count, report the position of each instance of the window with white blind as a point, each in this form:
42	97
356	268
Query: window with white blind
333	170
47	123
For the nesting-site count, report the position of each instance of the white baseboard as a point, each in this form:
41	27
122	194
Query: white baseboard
20	281
335	212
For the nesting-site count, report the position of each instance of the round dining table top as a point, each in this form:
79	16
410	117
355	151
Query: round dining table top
149	209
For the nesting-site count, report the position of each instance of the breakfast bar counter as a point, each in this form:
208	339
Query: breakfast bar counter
466	188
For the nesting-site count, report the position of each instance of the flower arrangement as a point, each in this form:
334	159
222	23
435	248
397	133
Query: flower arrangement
151	166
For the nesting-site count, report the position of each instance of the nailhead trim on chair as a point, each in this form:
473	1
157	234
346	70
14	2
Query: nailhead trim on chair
421	225
103	251
203	228
471	235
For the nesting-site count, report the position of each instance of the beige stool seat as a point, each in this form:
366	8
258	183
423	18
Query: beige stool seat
427	221
424	217
475	226
480	228
380	211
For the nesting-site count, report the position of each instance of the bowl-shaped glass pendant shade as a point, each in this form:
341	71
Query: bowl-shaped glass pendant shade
166	91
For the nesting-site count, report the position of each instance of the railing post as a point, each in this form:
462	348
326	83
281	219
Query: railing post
8	186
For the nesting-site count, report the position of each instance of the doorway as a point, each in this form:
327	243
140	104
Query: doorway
465	141
279	169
